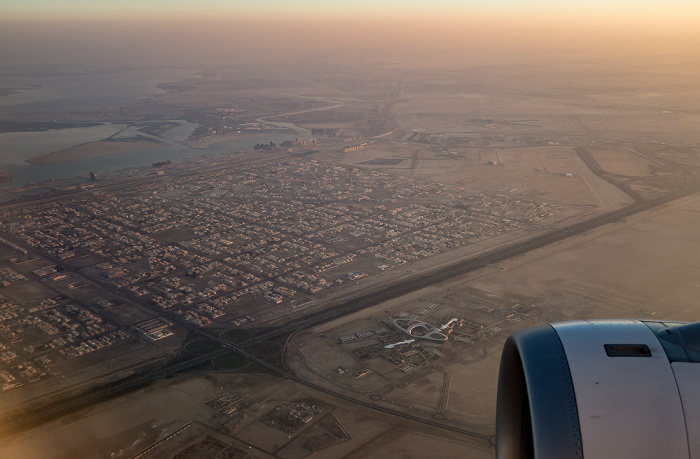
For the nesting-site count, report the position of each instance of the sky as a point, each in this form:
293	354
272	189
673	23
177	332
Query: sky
72	31
92	9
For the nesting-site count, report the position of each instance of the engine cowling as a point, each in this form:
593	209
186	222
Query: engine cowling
623	389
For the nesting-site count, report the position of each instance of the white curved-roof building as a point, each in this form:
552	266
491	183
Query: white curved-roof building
420	329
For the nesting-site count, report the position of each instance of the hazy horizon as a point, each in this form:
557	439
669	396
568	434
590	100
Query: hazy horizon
490	35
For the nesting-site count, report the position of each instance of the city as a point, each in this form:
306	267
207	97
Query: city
206	249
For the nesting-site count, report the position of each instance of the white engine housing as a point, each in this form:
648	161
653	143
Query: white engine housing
624	389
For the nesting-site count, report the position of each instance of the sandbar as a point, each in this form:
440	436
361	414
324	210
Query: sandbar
94	149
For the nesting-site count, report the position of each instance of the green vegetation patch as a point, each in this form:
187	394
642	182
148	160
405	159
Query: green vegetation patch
237	335
266	349
230	361
201	347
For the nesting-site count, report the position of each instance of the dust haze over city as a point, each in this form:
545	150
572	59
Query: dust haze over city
263	231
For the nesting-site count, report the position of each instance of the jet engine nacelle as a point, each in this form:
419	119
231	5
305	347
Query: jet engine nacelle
623	389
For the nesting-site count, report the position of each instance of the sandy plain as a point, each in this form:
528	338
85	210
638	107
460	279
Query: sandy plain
645	267
167	410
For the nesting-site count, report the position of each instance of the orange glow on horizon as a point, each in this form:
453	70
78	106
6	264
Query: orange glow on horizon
450	38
